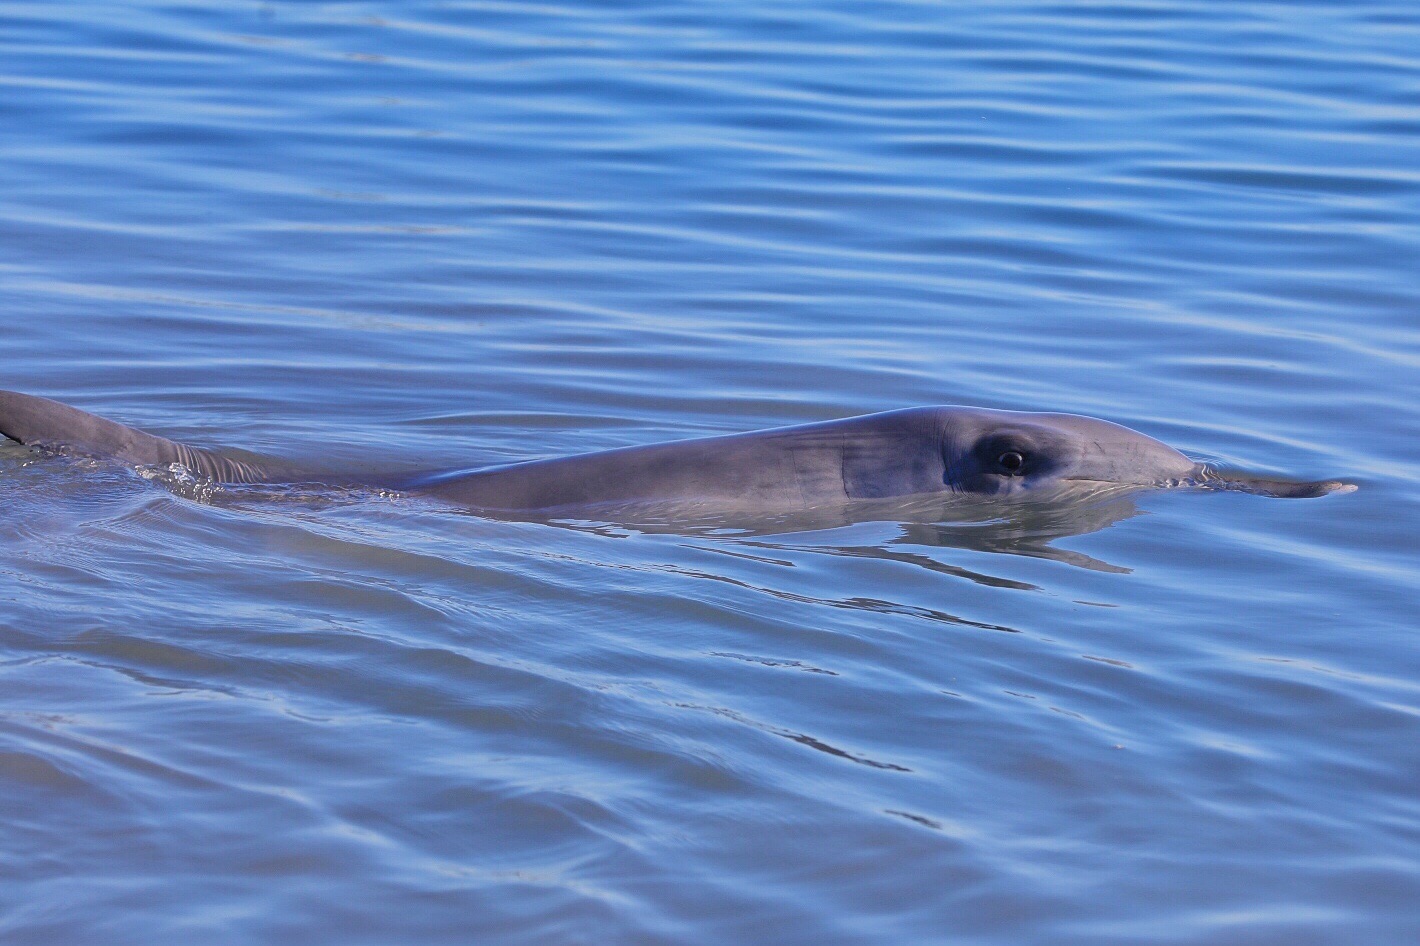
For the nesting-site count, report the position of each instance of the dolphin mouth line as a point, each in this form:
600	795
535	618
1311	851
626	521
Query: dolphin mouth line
1109	483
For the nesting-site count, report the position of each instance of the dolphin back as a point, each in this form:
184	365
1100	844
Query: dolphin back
40	422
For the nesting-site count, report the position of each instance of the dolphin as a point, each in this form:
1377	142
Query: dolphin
945	452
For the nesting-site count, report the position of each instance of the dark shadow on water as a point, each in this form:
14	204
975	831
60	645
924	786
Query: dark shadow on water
1017	527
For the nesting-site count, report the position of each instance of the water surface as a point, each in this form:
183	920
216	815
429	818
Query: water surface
425	234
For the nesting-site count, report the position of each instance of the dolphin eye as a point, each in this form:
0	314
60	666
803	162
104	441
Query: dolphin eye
1011	461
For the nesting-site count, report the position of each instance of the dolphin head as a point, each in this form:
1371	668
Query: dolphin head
1009	453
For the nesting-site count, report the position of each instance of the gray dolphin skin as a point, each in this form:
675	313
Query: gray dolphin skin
947	451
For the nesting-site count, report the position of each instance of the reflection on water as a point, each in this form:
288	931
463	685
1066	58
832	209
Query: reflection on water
1013	527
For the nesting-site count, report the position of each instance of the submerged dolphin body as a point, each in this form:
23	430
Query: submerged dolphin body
950	452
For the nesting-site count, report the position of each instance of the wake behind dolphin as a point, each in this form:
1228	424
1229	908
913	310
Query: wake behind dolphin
948	452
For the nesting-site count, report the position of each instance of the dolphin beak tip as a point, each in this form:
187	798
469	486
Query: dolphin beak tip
1325	488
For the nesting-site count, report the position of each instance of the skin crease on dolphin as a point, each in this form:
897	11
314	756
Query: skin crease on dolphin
953	452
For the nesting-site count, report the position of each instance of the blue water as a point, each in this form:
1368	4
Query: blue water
427	234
